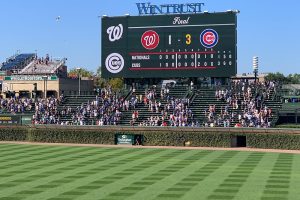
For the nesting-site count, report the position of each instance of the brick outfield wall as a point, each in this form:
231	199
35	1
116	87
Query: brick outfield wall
155	136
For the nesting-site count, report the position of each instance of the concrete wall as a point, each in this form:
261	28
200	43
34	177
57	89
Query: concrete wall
52	87
71	86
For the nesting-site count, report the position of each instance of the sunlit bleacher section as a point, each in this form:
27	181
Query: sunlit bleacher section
239	104
38	66
17	106
158	112
154	106
75	104
201	100
233	110
30	64
17	62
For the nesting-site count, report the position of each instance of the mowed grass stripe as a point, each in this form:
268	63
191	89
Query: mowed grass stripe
41	157
170	172
194	177
102	180
38	162
276	187
30	178
140	168
39	150
214	174
225	189
21	149
59	177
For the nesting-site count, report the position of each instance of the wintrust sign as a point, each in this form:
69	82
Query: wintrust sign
150	9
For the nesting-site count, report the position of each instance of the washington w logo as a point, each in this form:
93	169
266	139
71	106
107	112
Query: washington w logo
115	32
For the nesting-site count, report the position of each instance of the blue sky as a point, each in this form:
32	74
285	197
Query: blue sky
269	29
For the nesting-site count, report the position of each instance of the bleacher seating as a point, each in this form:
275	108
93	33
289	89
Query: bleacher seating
199	100
143	111
17	62
42	68
205	97
202	99
75	102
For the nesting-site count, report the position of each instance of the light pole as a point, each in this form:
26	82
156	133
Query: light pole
45	78
78	70
255	67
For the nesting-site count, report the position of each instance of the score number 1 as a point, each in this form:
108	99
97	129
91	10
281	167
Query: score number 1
188	39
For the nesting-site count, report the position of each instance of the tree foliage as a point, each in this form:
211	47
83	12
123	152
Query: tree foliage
73	73
116	84
98	80
294	78
279	77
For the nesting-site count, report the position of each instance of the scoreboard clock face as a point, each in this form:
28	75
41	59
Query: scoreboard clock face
169	46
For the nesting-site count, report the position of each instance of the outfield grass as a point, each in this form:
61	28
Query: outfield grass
87	173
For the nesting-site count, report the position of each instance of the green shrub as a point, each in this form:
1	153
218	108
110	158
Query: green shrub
274	141
256	138
177	138
288	126
71	136
13	133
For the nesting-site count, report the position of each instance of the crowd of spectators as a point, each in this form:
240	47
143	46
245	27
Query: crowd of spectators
15	105
166	110
46	111
244	106
42	60
105	109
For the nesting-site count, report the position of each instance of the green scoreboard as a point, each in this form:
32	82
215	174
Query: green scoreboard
169	46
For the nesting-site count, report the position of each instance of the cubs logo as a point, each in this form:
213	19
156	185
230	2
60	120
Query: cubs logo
209	38
115	32
114	63
150	40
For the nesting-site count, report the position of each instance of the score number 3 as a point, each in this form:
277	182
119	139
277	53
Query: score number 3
188	38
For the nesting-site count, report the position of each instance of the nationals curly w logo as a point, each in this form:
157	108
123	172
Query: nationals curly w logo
115	32
150	39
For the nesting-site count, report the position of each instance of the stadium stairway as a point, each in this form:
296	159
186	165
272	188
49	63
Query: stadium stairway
203	98
270	102
143	110
275	104
75	102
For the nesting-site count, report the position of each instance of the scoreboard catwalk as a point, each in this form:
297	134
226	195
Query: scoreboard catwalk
165	46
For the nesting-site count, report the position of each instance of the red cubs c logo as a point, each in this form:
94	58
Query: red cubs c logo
150	40
209	38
